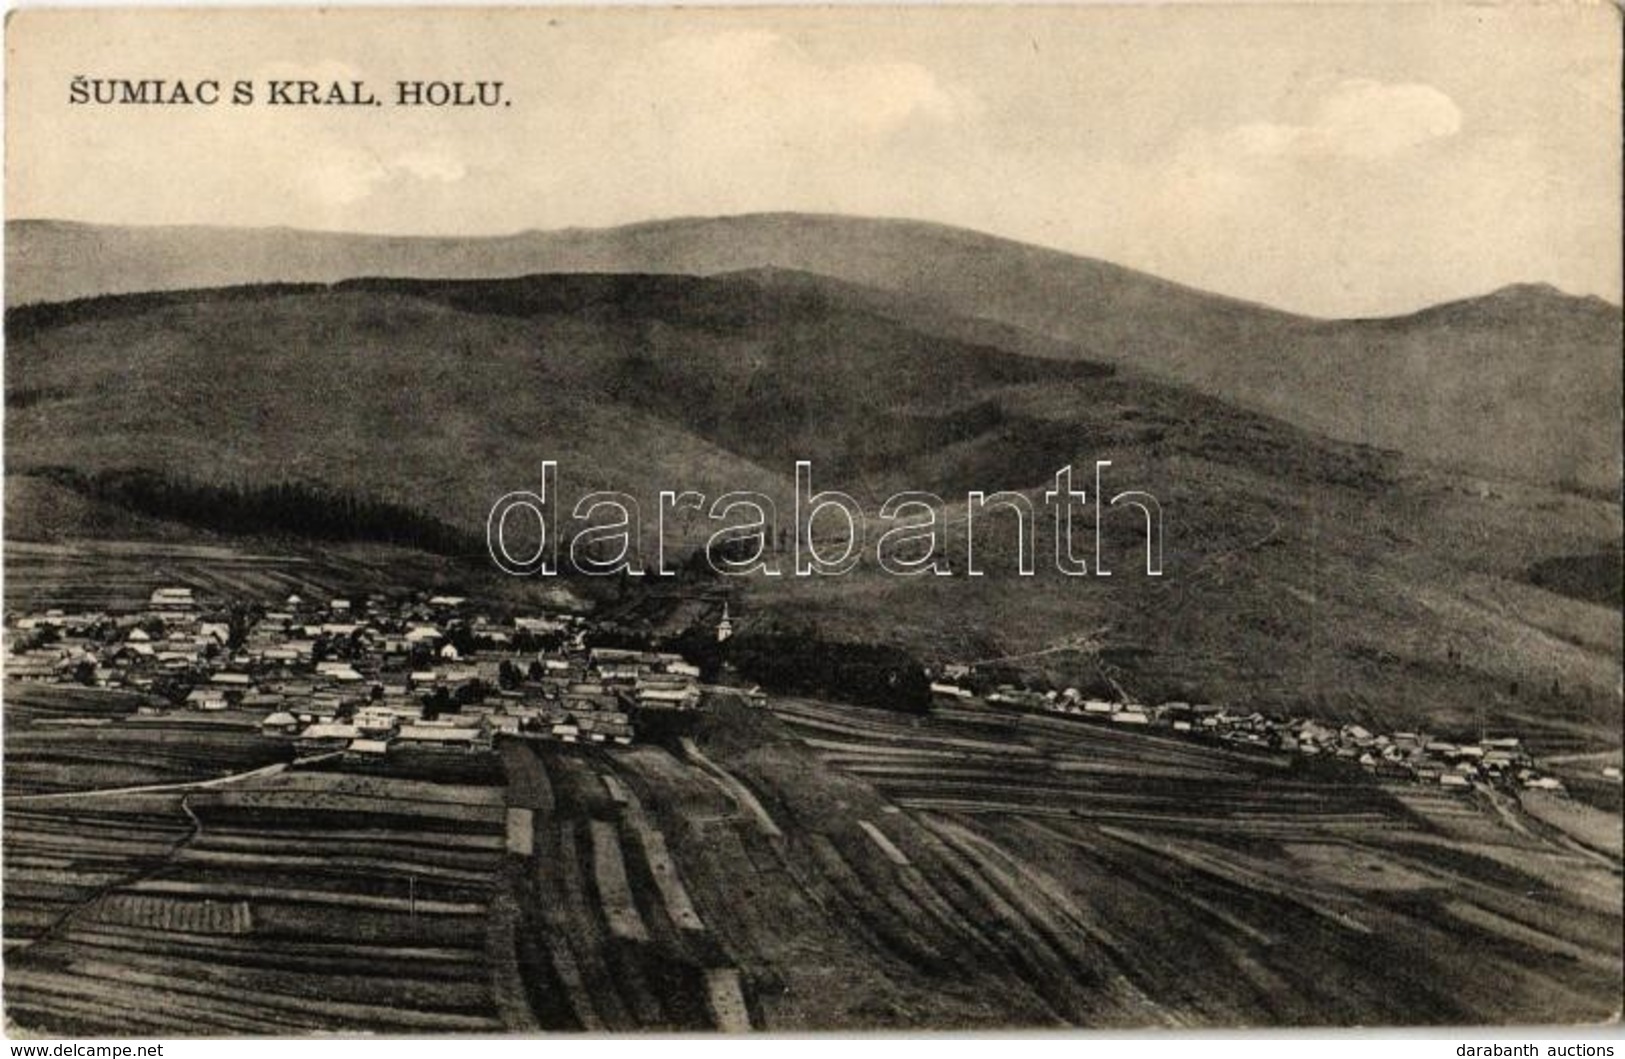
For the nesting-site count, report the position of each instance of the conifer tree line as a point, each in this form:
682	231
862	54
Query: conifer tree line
301	509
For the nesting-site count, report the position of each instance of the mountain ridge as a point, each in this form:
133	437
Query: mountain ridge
656	225
1520	382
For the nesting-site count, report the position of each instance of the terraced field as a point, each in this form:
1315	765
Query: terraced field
66	738
60	856
291	903
609	938
804	867
89	575
1221	888
737	881
93	574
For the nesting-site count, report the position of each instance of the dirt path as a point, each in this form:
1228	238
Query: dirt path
1512	813
71	914
736	790
167	788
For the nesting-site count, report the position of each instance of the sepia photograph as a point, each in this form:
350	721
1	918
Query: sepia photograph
996	519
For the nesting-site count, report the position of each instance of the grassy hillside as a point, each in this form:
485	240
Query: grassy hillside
1523	382
1302	573
443	395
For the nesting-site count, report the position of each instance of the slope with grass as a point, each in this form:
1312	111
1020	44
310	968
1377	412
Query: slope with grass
1522	382
1303	573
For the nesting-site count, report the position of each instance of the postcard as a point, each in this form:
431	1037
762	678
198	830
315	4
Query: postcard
606	520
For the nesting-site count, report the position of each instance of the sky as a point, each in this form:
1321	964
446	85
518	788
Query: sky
1334	160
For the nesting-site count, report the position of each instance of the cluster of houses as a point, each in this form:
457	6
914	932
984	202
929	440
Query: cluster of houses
365	678
1413	756
368	678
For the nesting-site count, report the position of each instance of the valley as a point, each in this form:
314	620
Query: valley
249	790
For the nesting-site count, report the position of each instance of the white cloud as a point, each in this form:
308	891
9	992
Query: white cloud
767	82
344	177
439	166
1358	119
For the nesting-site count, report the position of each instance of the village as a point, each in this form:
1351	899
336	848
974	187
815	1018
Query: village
341	783
363	678
1414	756
368	678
